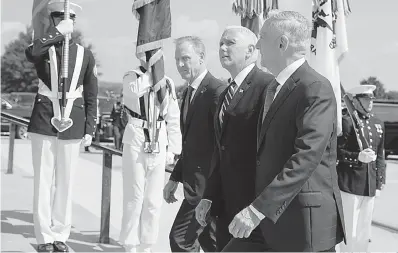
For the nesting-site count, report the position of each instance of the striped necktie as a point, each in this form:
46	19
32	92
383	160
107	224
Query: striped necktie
227	99
269	97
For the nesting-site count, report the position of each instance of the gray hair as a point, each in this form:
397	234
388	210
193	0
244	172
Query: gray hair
293	25
250	37
195	41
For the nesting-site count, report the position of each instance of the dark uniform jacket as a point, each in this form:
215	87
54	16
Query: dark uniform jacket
118	116
84	109
193	167
356	177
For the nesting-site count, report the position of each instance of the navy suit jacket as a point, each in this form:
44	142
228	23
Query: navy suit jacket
231	185
296	178
193	167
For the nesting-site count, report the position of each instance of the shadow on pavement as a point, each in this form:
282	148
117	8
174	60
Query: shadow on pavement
78	241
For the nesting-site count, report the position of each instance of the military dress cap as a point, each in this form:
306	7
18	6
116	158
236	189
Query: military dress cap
58	6
366	89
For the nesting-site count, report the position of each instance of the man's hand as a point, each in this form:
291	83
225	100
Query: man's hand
65	27
87	139
378	193
169	190
243	223
170	158
367	156
202	210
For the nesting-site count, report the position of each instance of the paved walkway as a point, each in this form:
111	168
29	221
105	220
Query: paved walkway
16	206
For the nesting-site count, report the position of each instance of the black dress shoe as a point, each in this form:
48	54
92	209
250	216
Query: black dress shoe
45	247
60	247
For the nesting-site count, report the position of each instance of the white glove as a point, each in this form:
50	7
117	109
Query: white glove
65	26
378	193
87	139
367	156
170	158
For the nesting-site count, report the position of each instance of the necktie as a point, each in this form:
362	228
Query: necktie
269	97
227	99
187	101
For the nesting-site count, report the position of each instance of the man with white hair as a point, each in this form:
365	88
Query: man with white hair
55	150
298	203
230	186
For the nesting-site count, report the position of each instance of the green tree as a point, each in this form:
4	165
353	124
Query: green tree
17	74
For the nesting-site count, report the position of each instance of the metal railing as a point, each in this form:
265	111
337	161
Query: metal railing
107	154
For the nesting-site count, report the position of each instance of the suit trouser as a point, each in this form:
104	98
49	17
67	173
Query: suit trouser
143	181
54	164
187	235
358	211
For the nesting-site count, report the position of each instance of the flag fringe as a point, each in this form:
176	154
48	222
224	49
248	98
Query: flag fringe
252	8
138	4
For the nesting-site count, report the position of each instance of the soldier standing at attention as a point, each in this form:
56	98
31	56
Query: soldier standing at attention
55	151
361	174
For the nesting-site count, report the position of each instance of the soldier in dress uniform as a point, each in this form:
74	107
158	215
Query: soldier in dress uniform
361	174
55	151
118	122
143	167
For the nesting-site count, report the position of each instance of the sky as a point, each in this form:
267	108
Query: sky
112	29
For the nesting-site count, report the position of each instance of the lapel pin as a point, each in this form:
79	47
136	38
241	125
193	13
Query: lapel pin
241	90
204	89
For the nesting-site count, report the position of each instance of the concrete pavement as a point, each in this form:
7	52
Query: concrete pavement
16	206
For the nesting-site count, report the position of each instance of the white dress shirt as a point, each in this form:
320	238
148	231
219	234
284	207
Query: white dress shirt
239	80
195	84
281	79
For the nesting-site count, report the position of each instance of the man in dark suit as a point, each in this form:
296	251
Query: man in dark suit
298	203
55	148
231	185
192	169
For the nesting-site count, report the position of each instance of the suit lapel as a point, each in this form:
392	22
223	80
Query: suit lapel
199	93
239	93
283	94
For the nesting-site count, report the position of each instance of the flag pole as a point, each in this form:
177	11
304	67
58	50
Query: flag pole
65	63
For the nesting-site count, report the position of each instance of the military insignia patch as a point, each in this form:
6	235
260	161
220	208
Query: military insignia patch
95	71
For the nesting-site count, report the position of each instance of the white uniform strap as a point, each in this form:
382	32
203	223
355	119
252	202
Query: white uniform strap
73	93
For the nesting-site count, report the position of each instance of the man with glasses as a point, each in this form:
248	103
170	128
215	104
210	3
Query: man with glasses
361	174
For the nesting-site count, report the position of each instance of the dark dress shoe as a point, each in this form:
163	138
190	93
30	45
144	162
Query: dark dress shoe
60	247
45	247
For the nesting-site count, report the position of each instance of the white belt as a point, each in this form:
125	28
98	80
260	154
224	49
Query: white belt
45	91
142	123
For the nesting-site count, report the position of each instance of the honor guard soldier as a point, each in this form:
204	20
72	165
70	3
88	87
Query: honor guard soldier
361	174
57	135
144	164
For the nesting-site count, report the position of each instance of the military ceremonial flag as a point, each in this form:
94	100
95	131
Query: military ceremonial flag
40	19
329	43
253	12
154	28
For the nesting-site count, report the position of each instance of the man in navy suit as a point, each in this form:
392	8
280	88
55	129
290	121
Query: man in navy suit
231	185
198	107
298	203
